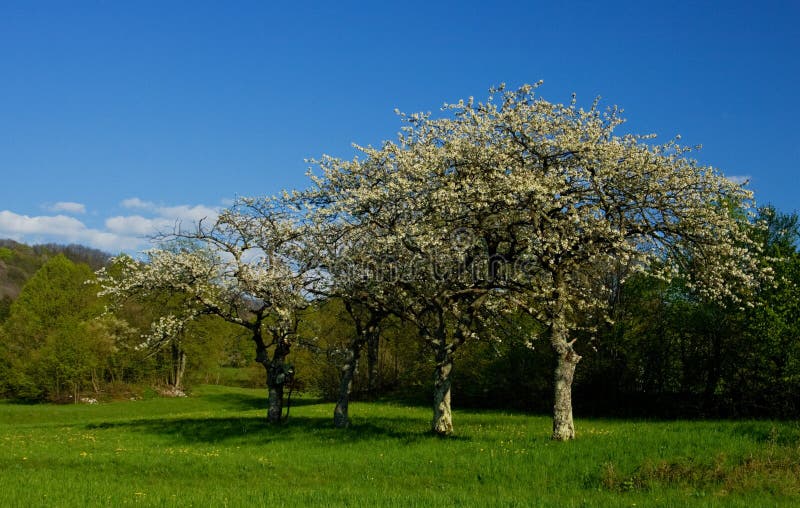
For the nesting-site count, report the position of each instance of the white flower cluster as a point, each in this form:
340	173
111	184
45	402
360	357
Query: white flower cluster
515	203
558	208
242	265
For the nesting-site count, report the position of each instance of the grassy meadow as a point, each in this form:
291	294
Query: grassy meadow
214	449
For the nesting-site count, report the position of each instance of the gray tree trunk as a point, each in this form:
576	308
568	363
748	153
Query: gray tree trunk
180	370
563	426
276	369
274	400
567	358
276	379
442	417
341	418
275	410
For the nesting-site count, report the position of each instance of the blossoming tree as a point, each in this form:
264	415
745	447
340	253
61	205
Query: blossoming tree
549	199
414	245
338	257
242	268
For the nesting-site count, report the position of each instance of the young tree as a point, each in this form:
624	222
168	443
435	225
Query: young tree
337	257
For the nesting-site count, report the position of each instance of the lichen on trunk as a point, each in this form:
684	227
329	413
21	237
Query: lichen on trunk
567	358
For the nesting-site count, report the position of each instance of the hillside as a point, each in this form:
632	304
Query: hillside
18	262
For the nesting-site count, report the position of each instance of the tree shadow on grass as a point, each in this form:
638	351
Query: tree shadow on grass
247	402
256	430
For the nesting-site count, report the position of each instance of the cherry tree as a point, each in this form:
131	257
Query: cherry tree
411	247
526	203
593	201
242	268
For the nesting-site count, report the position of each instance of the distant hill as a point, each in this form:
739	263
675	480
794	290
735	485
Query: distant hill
19	261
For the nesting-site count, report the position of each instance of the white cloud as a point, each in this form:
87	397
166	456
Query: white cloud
136	225
114	244
176	214
129	233
137	203
67	206
165	219
62	229
186	213
25	225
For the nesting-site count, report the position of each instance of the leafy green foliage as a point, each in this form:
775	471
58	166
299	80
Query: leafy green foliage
46	348
18	262
670	353
402	363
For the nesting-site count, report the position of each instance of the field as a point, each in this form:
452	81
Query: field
214	449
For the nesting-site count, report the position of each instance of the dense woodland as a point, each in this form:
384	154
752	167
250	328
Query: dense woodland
667	354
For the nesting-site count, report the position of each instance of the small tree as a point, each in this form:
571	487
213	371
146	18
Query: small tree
241	268
336	253
412	245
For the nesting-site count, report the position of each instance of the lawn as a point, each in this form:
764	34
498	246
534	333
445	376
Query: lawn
214	449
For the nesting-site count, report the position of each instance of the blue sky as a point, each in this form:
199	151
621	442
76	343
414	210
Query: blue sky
117	118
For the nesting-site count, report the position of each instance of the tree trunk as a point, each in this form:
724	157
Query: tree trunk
275	410
277	378
95	382
180	369
567	358
273	368
178	366
563	426
442	417
340	415
373	345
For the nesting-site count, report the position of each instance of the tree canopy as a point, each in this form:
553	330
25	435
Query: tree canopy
533	204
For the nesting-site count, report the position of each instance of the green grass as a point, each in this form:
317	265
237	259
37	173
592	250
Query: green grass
214	449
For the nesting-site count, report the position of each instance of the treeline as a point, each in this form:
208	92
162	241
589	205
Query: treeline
58	342
666	354
18	262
